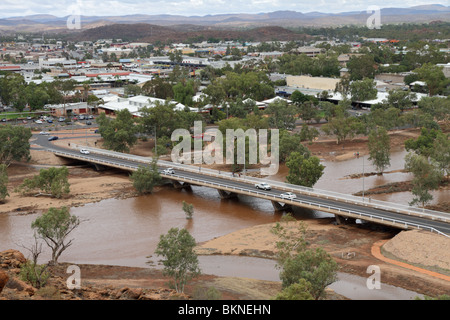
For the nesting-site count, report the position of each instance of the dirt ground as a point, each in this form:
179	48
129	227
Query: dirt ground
351	245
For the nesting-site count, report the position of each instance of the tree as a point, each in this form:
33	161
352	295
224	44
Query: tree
14	144
400	99
424	144
179	259
303	171
433	76
119	134
3	183
145	178
441	152
162	117
427	176
158	88
32	272
315	266
297	262
361	67
363	90
296	291
282	115
53	181
54	227
290	143
188	209
379	148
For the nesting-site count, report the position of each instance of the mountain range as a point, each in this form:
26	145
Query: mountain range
50	23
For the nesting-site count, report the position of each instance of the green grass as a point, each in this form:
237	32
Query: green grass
11	115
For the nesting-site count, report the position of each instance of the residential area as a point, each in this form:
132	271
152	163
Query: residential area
358	118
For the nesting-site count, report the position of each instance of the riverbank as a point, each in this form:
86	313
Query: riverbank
350	245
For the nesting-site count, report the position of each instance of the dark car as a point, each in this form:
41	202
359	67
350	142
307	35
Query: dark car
53	138
88	123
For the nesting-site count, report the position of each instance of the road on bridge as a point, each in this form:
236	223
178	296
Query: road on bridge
247	187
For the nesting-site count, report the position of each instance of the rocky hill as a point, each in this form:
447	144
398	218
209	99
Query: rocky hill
151	33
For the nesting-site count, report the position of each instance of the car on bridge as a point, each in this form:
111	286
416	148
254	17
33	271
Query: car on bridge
263	186
84	151
169	171
288	195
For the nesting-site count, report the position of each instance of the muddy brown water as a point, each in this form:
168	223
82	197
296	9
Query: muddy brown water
126	231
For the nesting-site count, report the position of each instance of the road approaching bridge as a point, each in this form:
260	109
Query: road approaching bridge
342	205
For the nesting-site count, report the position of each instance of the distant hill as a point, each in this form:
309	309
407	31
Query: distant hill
417	14
178	33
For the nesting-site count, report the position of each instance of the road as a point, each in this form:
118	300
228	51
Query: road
240	186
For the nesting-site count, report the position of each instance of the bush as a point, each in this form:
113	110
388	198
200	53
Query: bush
202	293
35	274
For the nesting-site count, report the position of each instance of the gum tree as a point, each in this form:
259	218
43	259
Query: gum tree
54	227
179	259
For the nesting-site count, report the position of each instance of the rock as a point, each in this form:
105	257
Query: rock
129	293
20	285
11	259
3	280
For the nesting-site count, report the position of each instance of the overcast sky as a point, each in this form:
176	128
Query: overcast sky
11	8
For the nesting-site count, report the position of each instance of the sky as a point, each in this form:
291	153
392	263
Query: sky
62	8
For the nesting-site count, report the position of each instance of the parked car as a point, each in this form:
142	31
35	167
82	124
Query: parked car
81	117
61	119
84	151
52	138
288	195
263	186
169	171
49	121
38	121
91	116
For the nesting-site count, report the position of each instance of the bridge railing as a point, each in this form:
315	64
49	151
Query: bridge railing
360	214
325	194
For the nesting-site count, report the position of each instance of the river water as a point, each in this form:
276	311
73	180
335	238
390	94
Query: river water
126	231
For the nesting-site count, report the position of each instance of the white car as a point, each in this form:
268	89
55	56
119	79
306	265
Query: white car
263	186
288	195
38	121
44	133
84	151
169	171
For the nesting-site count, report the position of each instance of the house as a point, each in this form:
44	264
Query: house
134	104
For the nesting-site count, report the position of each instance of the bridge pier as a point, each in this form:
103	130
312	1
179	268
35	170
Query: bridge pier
226	195
340	220
99	167
178	185
280	207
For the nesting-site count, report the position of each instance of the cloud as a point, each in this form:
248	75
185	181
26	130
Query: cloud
58	8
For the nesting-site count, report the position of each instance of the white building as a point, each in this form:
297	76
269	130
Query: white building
52	63
114	104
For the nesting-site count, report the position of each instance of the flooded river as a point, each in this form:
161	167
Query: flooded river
126	231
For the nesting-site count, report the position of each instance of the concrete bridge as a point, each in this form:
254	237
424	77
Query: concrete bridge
345	207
